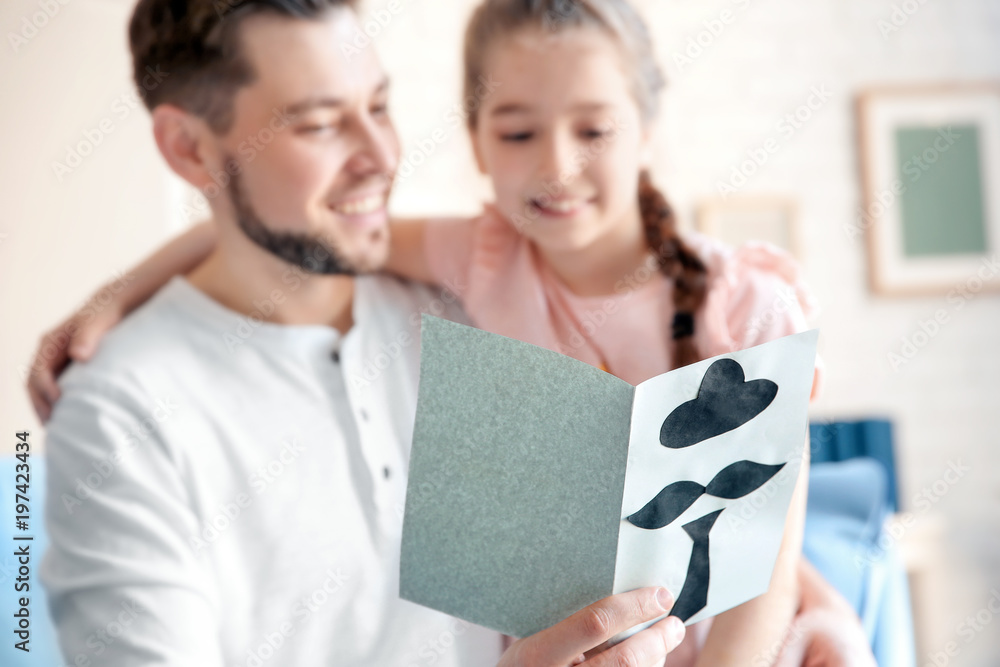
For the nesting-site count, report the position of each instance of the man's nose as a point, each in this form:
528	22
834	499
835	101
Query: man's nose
376	148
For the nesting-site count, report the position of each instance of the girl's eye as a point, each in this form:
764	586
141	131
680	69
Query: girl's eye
380	110
594	134
517	137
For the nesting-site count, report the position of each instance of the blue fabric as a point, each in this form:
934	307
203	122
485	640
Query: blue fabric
43	646
845	540
841	441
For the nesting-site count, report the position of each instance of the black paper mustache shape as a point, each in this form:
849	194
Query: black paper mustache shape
734	481
724	402
694	594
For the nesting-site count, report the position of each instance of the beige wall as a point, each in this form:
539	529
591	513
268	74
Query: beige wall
61	239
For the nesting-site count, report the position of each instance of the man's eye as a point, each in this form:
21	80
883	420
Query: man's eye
594	134
517	137
380	110
314	129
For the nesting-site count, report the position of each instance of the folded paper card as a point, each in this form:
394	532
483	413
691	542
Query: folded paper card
539	484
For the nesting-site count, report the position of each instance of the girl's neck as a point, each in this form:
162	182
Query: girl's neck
600	268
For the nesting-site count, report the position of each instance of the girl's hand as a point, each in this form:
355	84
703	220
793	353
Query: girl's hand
76	339
582	638
826	632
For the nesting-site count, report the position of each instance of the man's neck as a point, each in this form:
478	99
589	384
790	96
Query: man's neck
248	280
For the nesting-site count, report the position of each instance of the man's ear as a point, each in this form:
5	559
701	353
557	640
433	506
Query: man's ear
183	141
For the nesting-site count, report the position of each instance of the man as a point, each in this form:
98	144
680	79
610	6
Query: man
227	474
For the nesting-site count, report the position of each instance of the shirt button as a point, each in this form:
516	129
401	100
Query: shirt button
364	415
386	471
335	356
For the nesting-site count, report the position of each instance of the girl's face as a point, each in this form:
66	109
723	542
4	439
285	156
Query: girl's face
562	138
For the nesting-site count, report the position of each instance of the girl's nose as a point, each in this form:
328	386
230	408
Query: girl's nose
559	159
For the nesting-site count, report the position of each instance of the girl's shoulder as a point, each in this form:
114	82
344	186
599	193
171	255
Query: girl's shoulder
755	269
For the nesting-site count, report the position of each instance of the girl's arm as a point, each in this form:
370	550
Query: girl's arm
754	632
76	338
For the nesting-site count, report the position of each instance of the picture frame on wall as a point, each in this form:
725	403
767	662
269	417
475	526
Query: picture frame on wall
930	178
739	219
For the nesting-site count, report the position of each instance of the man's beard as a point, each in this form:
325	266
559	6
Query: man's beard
312	254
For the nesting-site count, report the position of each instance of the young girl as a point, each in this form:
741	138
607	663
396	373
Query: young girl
579	252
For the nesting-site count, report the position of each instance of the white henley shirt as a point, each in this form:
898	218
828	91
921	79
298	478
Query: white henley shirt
229	492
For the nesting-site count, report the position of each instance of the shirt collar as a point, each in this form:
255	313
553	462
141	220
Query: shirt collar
311	339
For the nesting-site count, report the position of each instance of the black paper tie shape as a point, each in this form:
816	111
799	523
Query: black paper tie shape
725	401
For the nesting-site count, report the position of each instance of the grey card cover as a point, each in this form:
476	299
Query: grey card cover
516	480
539	484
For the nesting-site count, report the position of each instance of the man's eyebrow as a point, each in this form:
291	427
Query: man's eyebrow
328	102
313	103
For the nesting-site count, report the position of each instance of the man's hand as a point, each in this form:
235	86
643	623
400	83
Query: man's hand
582	637
75	339
826	632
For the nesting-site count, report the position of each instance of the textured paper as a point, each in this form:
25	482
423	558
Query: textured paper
745	539
516	479
529	471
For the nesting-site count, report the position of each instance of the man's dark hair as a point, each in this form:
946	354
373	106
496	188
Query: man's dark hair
192	50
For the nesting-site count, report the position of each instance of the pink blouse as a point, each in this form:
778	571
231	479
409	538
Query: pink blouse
755	295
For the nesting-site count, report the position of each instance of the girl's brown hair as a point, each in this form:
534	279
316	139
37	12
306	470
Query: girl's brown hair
495	19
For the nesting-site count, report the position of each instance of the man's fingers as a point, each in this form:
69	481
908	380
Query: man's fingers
646	648
594	625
